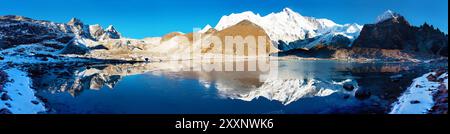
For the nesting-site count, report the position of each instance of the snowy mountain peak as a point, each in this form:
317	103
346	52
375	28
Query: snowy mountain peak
288	10
387	15
206	28
111	28
111	33
75	21
289	26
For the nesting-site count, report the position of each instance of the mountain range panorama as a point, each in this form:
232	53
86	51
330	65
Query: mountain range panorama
288	31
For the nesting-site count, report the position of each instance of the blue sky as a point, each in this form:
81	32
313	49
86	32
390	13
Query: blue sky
144	18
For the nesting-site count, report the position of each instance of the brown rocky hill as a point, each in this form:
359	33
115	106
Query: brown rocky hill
244	29
170	36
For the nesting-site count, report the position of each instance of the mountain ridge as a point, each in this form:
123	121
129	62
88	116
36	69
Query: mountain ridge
391	31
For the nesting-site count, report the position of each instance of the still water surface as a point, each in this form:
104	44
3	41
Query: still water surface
300	87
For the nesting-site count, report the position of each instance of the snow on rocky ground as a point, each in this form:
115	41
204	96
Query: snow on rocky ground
17	96
418	98
387	15
34	53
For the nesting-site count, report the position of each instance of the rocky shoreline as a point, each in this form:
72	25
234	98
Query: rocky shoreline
427	94
16	86
441	95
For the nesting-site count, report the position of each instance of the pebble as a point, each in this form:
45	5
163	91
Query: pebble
415	102
35	102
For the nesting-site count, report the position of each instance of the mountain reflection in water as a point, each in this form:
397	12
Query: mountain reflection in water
294	81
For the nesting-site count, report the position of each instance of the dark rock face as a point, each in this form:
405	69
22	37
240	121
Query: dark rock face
340	41
3	77
96	31
79	28
99	47
18	30
432	40
415	102
337	41
318	52
362	94
35	102
75	48
397	33
65	39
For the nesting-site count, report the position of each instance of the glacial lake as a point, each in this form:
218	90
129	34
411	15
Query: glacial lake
299	87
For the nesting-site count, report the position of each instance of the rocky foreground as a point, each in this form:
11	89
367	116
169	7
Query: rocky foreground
16	94
427	94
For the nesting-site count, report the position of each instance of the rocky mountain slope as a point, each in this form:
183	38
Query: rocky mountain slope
392	37
393	31
32	40
244	29
18	30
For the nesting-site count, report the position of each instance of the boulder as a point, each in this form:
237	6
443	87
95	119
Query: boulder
432	78
397	33
75	47
362	94
415	102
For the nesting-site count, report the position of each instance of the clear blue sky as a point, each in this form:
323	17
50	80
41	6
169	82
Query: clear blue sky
144	18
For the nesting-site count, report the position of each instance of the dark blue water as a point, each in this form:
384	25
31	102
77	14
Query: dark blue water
118	89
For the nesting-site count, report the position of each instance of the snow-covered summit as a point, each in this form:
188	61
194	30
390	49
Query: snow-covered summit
75	21
288	25
111	28
206	28
110	33
387	15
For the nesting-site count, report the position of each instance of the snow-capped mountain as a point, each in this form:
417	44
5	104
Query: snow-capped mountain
206	28
73	36
387	15
289	26
393	31
111	33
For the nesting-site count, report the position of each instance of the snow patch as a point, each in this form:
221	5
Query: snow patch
205	29
387	15
418	98
21	94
